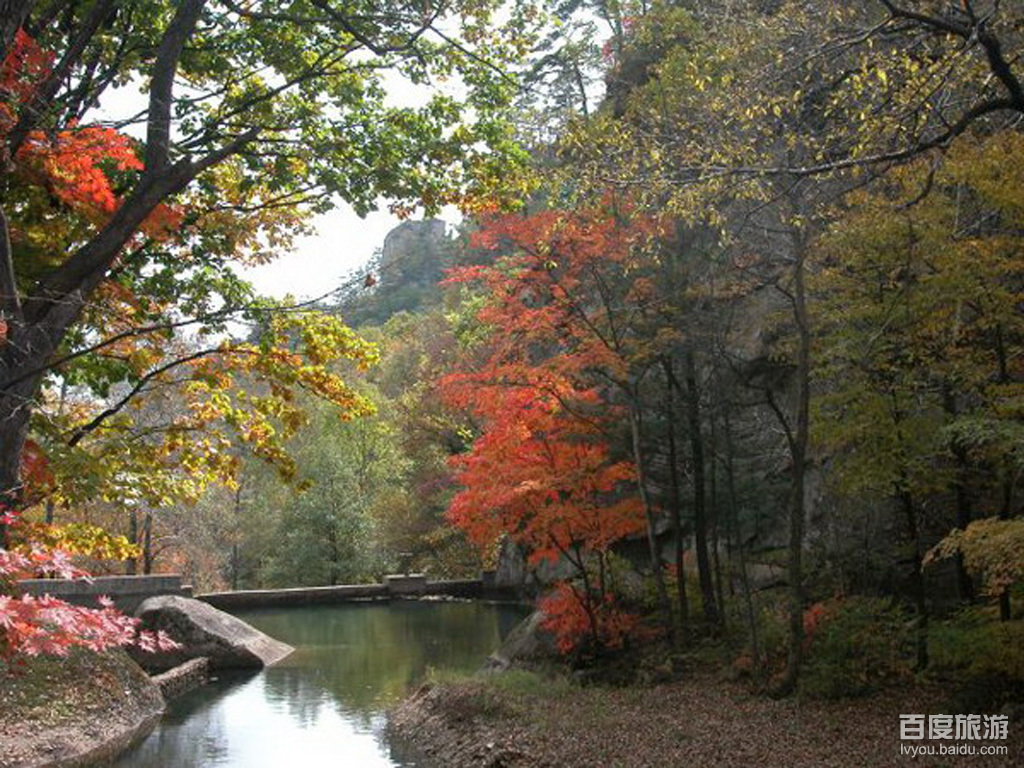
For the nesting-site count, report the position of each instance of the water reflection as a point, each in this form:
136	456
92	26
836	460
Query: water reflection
324	704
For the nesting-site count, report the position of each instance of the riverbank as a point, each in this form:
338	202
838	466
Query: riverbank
520	719
76	710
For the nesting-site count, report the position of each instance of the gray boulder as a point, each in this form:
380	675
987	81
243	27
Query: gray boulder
528	644
202	630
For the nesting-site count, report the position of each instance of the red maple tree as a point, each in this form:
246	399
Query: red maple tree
543	471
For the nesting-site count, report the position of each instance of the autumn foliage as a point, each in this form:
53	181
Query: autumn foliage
75	165
544	471
33	626
539	475
578	620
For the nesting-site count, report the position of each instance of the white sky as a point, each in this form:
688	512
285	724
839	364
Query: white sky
341	241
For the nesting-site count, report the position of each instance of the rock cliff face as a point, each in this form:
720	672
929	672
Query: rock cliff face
413	253
405	273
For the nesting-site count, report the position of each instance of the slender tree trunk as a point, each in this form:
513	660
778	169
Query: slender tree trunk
798	454
234	567
636	429
131	565
740	548
587	600
676	500
147	543
916	577
716	559
906	499
963	500
236	564
61	405
700	520
335	562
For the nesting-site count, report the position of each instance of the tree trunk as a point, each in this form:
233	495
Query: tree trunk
636	430
963	501
906	499
131	565
12	15
798	455
700	520
916	579
748	597
38	323
716	558
14	416
676	507
234	567
147	543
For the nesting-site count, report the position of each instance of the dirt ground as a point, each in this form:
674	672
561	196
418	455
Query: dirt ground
695	722
62	711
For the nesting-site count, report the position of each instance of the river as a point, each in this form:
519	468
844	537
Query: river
324	704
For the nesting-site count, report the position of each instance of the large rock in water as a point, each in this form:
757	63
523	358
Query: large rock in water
529	644
202	630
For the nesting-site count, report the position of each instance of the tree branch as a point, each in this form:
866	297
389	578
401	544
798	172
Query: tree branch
61	296
7	384
158	134
42	99
95	423
12	15
10	303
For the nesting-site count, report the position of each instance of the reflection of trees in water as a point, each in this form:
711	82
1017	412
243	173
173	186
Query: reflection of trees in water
354	658
192	735
367	655
299	692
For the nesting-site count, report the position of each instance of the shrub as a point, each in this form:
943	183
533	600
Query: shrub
859	645
981	657
585	622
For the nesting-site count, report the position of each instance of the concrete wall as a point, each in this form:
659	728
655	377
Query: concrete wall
266	598
397	586
126	591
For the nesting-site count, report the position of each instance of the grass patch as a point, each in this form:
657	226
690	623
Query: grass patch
53	690
513	694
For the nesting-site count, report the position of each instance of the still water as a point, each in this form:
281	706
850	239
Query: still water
324	705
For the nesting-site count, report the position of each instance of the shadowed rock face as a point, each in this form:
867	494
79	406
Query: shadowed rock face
529	643
202	630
